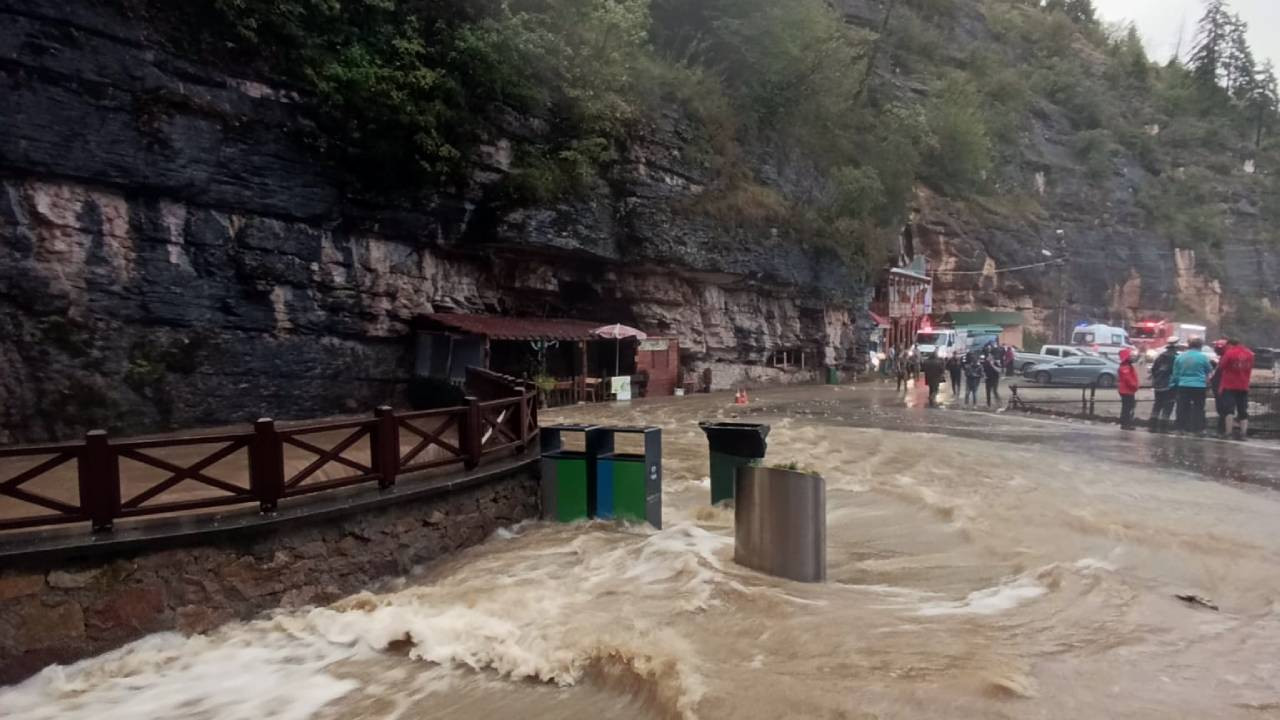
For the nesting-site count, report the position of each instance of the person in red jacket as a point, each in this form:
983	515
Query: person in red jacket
1237	372
1128	386
1215	386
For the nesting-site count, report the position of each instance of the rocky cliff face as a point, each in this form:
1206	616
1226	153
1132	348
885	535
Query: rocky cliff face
1063	243
1085	253
171	255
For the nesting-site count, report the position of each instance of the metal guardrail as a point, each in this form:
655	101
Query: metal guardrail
461	436
1103	404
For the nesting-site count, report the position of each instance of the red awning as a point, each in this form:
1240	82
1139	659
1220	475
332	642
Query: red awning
499	327
880	321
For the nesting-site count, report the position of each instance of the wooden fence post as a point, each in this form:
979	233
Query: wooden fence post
472	434
534	397
522	417
99	476
266	465
384	446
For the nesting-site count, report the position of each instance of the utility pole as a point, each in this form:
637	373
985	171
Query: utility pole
1062	289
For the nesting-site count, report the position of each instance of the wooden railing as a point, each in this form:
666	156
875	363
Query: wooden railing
490	385
264	464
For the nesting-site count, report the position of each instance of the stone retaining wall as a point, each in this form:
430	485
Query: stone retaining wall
81	608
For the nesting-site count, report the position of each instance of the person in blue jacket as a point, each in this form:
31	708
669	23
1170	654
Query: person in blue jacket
1191	376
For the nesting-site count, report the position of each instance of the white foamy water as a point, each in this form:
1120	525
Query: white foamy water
989	601
969	578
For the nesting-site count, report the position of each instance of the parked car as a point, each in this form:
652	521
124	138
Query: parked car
1025	361
1265	358
1080	370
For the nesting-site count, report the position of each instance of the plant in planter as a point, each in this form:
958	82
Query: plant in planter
794	466
545	384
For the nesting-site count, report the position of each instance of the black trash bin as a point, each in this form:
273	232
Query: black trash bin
733	445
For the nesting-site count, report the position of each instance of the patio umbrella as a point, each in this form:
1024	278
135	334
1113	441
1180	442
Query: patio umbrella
618	332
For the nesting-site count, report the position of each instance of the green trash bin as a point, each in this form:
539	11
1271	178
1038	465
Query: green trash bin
833	376
629	485
732	445
569	476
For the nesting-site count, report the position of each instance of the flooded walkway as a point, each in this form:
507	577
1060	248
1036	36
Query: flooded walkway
982	565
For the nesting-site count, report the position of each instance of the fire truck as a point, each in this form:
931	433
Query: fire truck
1151	336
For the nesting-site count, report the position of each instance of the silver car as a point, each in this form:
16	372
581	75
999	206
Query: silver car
1075	371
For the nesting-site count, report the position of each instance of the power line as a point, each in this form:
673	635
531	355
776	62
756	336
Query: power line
998	271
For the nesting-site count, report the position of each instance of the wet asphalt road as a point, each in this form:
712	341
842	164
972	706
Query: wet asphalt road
877	405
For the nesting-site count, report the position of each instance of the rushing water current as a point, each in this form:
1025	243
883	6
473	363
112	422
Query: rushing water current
980	566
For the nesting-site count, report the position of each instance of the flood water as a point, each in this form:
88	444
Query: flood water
980	566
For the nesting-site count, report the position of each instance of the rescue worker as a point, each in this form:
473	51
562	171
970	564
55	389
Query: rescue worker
934	370
1236	372
973	379
1166	392
954	369
900	371
1191	374
992	373
1127	384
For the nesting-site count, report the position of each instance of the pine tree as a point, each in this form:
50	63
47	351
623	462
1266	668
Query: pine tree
1210	50
1137	64
1081	12
1263	101
1239	69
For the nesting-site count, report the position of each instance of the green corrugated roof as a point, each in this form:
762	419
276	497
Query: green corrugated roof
987	317
981	329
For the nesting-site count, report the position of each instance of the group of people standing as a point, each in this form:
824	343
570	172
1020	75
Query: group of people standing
1183	382
973	369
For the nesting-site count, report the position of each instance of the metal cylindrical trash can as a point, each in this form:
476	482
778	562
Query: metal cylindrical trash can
833	376
733	445
780	523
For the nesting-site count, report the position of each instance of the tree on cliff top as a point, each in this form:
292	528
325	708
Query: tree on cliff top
1079	11
960	153
1213	39
1239	69
1263	102
404	90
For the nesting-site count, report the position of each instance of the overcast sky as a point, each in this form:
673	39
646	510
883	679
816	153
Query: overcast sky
1160	20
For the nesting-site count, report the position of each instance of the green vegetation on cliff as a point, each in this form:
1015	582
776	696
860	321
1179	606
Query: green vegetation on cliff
812	122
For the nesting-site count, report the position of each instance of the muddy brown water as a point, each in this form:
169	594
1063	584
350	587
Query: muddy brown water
981	566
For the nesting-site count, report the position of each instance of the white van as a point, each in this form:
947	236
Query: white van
1105	340
942	341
